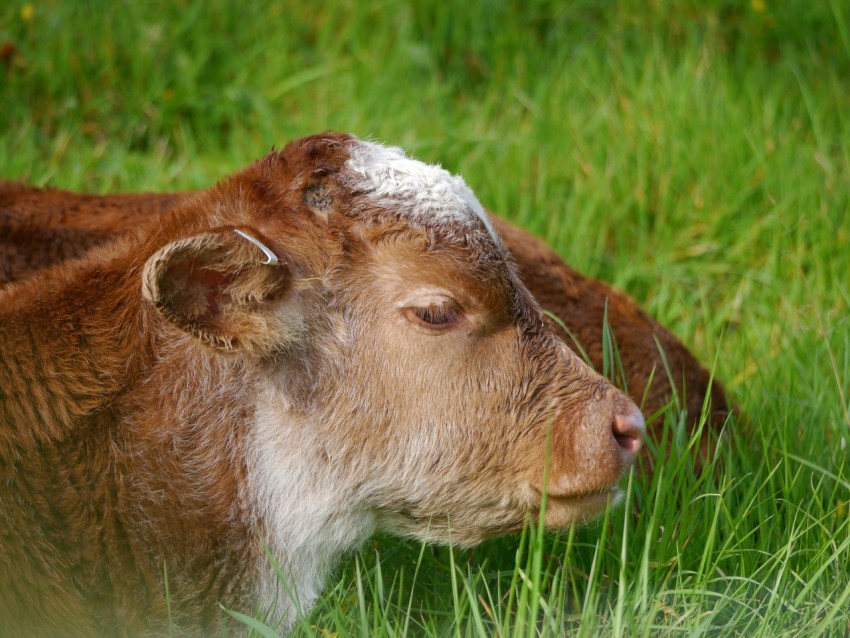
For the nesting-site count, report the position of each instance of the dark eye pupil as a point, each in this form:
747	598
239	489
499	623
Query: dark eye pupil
436	315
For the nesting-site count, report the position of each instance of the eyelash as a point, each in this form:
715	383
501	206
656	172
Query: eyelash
436	316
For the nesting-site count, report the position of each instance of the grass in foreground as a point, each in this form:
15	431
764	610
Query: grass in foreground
694	153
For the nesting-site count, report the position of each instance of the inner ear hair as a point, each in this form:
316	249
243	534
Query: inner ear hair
221	288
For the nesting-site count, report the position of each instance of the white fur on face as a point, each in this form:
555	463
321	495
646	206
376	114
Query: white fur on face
425	194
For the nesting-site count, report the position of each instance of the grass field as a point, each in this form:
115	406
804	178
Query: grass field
694	153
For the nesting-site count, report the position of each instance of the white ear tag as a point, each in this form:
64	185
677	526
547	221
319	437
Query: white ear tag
271	258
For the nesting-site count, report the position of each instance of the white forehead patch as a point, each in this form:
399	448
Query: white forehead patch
424	193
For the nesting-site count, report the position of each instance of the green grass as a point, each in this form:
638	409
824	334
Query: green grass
695	153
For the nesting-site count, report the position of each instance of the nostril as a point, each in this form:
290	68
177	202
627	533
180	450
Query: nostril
628	430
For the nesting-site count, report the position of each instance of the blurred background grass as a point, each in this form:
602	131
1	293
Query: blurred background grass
694	153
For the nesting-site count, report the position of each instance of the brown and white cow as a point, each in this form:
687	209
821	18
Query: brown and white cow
328	343
41	227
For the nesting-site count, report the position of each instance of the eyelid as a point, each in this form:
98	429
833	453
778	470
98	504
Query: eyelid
434	316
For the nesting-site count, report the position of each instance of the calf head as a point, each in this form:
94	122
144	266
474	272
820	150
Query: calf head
400	375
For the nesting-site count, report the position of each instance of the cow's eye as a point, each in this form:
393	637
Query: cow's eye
436	316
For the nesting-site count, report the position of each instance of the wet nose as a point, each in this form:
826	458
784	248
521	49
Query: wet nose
628	430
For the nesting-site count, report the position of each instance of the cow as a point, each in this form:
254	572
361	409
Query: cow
40	227
331	342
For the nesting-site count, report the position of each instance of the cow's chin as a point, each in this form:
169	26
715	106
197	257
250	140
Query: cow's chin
469	529
564	511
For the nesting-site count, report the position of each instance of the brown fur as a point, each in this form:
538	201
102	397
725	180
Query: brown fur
169	402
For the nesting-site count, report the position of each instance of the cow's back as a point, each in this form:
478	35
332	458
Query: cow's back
42	227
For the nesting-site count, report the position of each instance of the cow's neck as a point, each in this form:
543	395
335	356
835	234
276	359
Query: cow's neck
310	507
70	341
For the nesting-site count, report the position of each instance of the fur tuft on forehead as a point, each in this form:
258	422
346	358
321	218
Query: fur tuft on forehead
425	194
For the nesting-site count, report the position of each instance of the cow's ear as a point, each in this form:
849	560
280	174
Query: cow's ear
226	288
